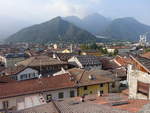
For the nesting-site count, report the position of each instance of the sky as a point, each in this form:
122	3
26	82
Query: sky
40	10
17	14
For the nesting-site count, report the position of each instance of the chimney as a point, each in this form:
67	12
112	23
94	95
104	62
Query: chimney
71	48
40	75
54	56
82	98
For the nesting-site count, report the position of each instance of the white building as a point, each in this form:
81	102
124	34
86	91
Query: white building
139	84
25	94
22	73
143	40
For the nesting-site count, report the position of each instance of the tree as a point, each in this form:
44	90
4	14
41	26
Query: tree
84	47
116	51
104	51
147	50
93	46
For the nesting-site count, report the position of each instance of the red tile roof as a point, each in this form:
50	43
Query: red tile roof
41	60
146	55
6	79
35	86
133	106
97	76
14	70
108	63
123	61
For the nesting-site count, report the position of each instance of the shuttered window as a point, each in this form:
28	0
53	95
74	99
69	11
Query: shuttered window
143	88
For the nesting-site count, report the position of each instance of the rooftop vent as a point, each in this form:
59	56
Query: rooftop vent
73	103
71	78
91	77
119	103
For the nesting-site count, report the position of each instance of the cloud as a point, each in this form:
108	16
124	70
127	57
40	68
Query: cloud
45	9
41	10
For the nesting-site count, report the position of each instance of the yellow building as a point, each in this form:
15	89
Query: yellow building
66	51
94	53
93	89
92	82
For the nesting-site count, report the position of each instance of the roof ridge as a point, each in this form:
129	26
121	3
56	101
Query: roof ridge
82	75
56	107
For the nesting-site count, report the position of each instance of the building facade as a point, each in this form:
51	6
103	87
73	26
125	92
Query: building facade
85	62
139	84
25	94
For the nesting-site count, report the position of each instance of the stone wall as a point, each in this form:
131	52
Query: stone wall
133	76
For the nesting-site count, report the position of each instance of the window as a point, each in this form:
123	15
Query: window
72	94
24	76
91	92
143	88
14	77
113	85
49	97
101	92
21	76
60	95
33	75
101	85
85	87
29	75
5	104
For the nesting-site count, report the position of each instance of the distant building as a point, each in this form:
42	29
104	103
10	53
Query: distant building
143	40
55	46
109	50
21	73
66	51
62	56
91	52
85	62
44	64
11	59
120	49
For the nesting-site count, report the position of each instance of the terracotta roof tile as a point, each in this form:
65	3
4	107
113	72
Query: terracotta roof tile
40	60
6	79
123	61
146	55
82	76
14	70
35	85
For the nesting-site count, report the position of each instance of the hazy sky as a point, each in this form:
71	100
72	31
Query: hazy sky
41	10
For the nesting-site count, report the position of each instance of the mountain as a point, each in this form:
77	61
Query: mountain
9	25
55	30
94	23
74	20
71	29
127	29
